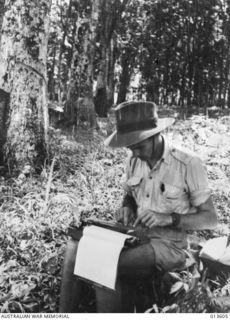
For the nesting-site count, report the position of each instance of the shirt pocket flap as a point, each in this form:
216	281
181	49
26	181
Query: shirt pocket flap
134	181
173	192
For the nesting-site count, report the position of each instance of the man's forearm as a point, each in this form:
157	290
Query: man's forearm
198	221
129	202
205	218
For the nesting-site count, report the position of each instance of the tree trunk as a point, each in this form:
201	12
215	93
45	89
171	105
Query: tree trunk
111	77
23	52
86	66
61	49
2	9
101	97
51	82
4	104
124	80
111	11
73	82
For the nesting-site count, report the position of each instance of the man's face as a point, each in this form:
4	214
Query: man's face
143	150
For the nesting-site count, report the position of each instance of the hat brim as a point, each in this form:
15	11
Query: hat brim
117	140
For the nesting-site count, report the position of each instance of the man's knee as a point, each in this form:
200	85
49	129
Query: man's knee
138	262
138	257
70	254
70	289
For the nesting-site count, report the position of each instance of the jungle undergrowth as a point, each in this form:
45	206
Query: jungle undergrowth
87	181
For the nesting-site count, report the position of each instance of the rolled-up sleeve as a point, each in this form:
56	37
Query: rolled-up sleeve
197	181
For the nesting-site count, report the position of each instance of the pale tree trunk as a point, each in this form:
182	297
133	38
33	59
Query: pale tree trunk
23	52
111	72
105	81
86	66
72	90
64	22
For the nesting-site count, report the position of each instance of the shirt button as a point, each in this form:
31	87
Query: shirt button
150	177
147	195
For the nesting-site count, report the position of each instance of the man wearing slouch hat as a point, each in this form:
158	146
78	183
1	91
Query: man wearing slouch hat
166	193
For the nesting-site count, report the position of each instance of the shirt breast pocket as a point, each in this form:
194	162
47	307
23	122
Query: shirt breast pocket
173	197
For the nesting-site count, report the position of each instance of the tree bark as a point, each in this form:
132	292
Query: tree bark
124	80
2	9
86	66
4	105
73	82
111	11
23	52
101	96
61	49
51	81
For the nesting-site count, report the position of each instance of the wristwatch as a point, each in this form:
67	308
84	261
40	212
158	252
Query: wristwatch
175	219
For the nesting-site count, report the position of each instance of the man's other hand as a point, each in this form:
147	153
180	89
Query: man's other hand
150	218
126	216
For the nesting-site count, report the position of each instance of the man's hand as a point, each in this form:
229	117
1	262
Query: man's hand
151	219
126	215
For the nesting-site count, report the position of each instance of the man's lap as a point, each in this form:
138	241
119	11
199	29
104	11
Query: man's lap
168	255
160	254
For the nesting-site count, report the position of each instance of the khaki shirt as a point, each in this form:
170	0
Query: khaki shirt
177	183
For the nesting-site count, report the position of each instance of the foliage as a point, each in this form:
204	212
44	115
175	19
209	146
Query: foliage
86	180
178	52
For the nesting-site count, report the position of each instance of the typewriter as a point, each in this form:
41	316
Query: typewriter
137	237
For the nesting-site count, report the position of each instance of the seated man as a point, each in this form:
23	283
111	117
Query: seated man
167	193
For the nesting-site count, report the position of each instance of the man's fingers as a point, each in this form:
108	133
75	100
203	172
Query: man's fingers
146	217
140	218
137	221
151	222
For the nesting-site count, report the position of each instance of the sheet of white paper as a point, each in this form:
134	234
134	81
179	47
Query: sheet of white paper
216	249
98	253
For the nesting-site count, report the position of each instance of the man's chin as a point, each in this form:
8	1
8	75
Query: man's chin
142	158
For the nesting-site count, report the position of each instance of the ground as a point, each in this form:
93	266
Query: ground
85	179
